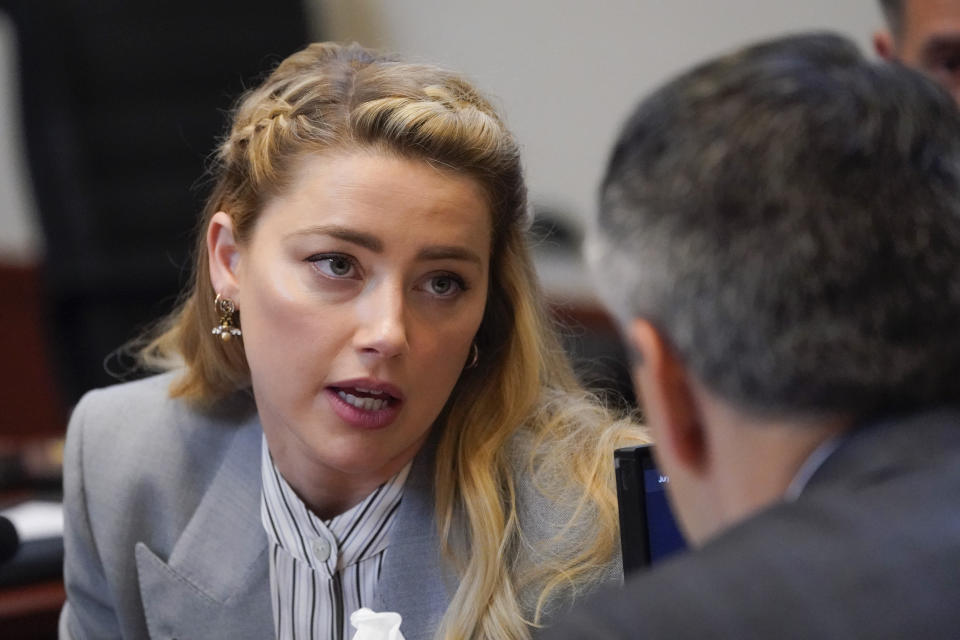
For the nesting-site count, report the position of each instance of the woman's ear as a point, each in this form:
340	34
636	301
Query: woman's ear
223	254
670	406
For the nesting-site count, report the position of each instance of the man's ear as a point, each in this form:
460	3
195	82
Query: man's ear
670	406
223	254
883	44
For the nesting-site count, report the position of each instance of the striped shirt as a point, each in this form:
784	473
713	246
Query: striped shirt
322	571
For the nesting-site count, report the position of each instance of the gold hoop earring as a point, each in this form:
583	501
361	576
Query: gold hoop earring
474	356
227	309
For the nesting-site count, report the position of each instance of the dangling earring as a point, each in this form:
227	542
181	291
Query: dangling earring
474	356
226	329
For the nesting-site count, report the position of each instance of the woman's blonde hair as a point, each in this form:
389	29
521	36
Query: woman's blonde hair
329	97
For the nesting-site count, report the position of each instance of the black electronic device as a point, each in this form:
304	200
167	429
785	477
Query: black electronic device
648	529
9	540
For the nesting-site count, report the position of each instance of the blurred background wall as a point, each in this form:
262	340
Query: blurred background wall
567	71
109	108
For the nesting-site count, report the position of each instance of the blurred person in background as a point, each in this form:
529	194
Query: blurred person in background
779	234
925	35
365	404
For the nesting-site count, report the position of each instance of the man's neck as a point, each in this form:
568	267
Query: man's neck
756	458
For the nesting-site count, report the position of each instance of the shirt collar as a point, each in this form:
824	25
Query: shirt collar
811	465
359	533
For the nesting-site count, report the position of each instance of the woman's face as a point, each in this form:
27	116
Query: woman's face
360	291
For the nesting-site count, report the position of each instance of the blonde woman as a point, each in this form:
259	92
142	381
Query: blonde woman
365	406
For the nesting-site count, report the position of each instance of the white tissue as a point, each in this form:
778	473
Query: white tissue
371	625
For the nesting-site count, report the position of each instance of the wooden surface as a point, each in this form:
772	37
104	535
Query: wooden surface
31	611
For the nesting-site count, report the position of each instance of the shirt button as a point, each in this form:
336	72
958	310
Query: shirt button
321	549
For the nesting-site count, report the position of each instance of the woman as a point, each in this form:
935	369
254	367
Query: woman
365	407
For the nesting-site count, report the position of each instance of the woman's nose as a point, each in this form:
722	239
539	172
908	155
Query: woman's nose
382	324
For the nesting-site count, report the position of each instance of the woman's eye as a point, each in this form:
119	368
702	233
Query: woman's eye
445	286
335	266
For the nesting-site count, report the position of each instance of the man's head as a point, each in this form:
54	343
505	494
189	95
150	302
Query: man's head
779	233
924	34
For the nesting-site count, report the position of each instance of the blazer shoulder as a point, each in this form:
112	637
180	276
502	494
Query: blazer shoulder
141	416
133	437
545	506
553	523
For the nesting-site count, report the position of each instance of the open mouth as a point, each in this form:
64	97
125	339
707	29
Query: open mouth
366	399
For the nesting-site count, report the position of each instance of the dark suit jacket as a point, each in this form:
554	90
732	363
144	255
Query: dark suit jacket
871	549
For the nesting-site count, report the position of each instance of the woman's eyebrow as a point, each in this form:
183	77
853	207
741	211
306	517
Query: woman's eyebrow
360	238
442	252
375	244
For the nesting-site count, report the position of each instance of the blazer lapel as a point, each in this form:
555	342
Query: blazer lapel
217	576
414	580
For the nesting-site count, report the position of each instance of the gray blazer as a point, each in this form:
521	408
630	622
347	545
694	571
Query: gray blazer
163	537
870	549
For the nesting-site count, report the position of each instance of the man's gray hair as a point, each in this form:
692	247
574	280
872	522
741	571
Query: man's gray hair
788	216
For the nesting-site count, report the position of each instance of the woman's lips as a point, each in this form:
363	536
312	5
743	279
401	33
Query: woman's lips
363	406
